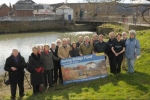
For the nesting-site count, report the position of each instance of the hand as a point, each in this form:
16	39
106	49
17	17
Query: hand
116	54
135	56
13	68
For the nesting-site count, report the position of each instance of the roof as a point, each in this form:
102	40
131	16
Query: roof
56	6
63	7
23	7
2	5
25	2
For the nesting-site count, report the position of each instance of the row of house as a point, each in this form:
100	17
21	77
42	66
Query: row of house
28	8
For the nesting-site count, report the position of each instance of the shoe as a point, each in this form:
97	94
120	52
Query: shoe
13	98
22	95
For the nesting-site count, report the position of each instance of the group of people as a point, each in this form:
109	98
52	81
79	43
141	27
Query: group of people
44	62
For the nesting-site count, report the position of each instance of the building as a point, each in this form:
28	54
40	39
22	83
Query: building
4	10
23	8
43	9
65	11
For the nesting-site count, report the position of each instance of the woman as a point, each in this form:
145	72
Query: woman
75	51
92	41
35	62
47	58
132	50
118	48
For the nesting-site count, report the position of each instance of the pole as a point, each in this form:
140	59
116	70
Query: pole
28	81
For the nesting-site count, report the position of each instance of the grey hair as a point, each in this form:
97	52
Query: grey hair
15	50
133	32
124	33
86	37
64	39
53	43
58	40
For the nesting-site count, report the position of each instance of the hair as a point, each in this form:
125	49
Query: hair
133	32
53	43
86	37
119	34
46	45
124	33
101	35
34	48
64	39
111	33
15	50
58	40
73	44
80	37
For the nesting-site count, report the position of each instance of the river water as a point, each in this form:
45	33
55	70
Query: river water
25	41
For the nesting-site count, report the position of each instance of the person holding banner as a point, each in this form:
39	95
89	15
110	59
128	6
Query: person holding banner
15	65
109	51
86	48
64	49
132	50
74	52
100	46
118	49
47	61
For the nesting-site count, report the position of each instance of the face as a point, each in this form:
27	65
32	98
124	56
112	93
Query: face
15	53
95	37
86	40
74	45
101	38
39	48
80	39
111	36
53	46
35	51
68	41
131	36
124	35
118	37
65	42
58	43
91	41
46	48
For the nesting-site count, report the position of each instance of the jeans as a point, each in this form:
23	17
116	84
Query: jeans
130	63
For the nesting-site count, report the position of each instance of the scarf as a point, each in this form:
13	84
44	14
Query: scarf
46	52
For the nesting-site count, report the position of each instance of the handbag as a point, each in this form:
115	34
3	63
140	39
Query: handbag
6	82
29	69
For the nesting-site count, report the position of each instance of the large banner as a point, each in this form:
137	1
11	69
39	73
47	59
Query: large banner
83	68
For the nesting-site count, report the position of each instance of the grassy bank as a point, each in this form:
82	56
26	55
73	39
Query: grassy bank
120	86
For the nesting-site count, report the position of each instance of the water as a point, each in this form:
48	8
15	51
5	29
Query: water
24	42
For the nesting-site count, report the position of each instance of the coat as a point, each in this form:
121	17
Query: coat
100	47
18	75
86	50
35	62
132	48
47	60
109	46
55	62
63	52
74	52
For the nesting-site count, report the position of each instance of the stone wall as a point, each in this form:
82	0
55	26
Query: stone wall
33	26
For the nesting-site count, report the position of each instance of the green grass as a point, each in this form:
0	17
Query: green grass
121	86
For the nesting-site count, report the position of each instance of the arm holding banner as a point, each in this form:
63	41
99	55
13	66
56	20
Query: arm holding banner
59	53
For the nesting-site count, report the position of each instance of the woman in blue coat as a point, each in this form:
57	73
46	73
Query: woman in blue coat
132	50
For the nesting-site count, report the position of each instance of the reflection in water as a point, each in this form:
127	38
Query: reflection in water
25	42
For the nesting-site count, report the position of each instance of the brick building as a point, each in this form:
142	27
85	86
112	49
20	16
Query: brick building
23	8
4	10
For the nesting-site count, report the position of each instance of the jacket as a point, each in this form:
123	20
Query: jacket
100	47
47	60
18	75
35	62
74	52
63	52
132	48
86	50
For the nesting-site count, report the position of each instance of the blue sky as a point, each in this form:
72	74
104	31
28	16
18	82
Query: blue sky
58	1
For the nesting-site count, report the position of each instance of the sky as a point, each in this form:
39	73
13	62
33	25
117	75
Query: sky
59	1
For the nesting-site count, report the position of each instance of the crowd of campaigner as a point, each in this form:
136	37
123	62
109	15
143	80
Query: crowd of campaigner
44	61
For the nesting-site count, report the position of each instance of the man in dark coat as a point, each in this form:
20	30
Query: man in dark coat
109	51
57	67
15	65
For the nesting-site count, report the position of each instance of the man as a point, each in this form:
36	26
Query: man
58	42
57	66
80	40
64	49
95	38
100	46
15	65
124	35
86	48
135	17
109	51
69	41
